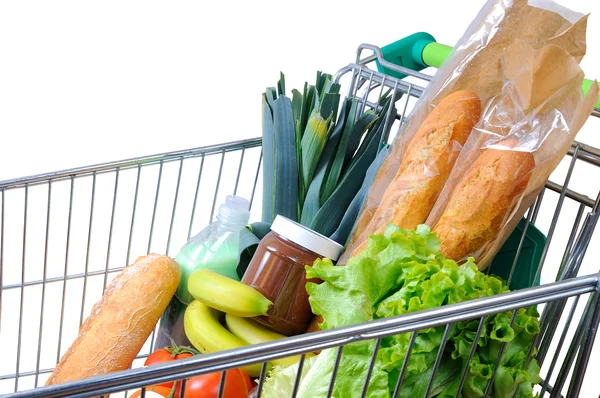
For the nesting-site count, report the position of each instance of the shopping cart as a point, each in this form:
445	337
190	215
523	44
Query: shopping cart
64	236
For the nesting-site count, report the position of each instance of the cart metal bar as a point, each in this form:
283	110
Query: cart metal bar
41	328
587	153
1	251
463	377
256	178
131	163
569	194
518	253
569	246
237	178
60	278
490	384
209	363
261	380
336	366
298	376
65	271
156	196
87	251
133	212
585	351
111	227
214	203
376	77
572	352
411	344
174	205
561	341
371	367
196	197
22	290
438	359
556	215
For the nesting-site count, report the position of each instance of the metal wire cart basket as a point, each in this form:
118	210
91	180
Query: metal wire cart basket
65	235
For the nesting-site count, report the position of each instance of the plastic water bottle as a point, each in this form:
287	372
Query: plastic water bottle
216	247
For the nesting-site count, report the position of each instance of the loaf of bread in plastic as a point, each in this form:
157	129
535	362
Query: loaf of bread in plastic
425	166
482	199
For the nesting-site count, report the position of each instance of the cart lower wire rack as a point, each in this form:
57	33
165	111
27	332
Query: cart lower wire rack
65	235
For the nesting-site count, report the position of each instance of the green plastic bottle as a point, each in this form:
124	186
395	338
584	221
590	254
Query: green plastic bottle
216	247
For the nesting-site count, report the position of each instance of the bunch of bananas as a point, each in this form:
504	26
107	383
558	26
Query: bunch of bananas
216	295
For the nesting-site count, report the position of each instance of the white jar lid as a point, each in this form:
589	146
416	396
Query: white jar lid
307	238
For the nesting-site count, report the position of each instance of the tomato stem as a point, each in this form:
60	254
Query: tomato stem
175	350
173	389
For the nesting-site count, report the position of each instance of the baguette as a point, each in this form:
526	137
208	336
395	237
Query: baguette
120	323
481	201
425	167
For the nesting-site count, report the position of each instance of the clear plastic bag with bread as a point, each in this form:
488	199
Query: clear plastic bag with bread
493	123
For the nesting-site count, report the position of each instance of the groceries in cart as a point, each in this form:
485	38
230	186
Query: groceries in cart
357	226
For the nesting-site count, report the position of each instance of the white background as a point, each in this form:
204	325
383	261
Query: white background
88	82
83	83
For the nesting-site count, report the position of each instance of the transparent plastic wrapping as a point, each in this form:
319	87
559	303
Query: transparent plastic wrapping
521	60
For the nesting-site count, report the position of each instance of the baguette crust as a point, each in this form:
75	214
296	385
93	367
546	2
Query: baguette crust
120	323
481	200
426	165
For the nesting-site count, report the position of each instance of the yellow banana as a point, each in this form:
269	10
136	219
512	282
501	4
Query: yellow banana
227	295
252	332
205	332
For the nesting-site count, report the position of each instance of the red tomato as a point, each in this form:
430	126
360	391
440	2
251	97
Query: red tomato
163	391
167	355
250	384
237	385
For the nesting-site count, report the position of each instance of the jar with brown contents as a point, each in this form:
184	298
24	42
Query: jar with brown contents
277	271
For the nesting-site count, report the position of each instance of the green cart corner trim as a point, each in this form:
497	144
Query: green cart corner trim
406	52
529	257
420	50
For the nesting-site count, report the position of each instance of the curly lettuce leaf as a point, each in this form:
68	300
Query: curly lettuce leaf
349	294
280	381
402	272
351	375
317	371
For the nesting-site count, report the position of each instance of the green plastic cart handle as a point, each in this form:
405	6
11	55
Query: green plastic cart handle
420	50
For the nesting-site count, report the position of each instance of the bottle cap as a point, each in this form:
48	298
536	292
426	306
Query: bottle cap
237	202
235	210
307	238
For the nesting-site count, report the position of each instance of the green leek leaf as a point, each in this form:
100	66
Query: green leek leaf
342	233
281	84
330	215
365	121
330	101
322	80
286	167
297	109
308	103
312	201
376	129
268	149
271	95
313	142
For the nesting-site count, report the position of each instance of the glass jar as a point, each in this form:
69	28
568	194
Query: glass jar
277	271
